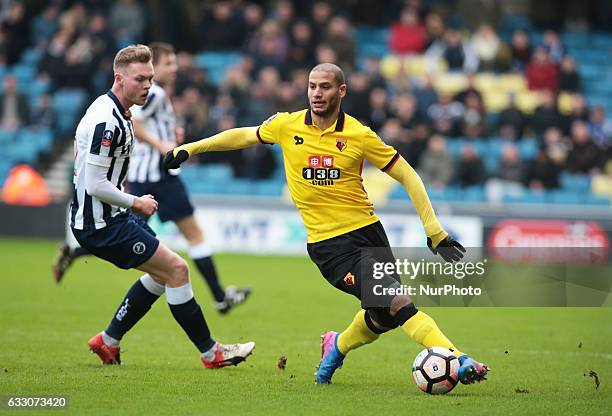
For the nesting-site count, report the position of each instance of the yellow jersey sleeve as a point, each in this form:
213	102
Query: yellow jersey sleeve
268	131
378	152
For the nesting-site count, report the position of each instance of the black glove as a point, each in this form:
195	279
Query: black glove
173	162
448	249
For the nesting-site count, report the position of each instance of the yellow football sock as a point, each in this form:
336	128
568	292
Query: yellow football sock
356	335
423	329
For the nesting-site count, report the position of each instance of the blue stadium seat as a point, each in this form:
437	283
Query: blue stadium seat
24	73
31	56
269	188
576	183
528	148
217	63
68	105
597	200
565	197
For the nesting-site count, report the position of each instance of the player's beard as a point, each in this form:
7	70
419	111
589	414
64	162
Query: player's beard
333	105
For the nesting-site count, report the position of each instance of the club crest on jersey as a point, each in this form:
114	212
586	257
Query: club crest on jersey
349	279
341	144
107	138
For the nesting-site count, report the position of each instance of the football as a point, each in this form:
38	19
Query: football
435	370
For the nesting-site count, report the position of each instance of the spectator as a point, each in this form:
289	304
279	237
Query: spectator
301	50
357	102
546	114
195	109
283	13
253	16
270	48
457	53
556	145
569	79
509	177
287	98
446	115
489	49
579	111
520	49
407	35
405	110
14	107
223	107
437	166
434	26
584	156
16	30
340	38
425	95
471	171
325	53
321	15
379	110
52	63
554	47
511	167
469	89
542	172
541	72
78	66
474	122
512	122
103	44
45	25
373	72
43	115
127	21
222	27
600	128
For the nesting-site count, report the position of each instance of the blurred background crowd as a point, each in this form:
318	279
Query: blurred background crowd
489	100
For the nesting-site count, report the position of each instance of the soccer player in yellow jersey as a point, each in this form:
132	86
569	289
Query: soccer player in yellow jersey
324	150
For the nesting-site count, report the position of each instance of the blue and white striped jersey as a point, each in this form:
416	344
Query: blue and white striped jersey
104	137
158	118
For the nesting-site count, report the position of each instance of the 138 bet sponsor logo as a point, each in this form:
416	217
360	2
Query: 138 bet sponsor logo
321	170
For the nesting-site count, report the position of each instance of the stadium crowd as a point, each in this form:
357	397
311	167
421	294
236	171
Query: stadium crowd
445	133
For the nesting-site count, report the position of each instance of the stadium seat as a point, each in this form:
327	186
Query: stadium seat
575	182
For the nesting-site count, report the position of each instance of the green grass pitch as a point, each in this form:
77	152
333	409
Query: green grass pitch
539	356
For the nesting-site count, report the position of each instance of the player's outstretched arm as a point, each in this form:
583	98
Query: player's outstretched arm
232	139
438	240
142	135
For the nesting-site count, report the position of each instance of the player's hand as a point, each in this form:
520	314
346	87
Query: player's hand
172	161
145	205
165	147
449	249
179	132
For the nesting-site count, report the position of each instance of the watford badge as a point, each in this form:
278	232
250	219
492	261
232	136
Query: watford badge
349	279
341	144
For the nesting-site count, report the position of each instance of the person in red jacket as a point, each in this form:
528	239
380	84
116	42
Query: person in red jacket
541	72
407	34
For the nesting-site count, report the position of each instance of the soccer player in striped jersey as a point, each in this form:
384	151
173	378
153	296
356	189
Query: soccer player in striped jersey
108	222
156	133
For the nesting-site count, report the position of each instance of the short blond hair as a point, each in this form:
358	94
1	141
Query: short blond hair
130	54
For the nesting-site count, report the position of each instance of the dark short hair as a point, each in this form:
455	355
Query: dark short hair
334	69
160	49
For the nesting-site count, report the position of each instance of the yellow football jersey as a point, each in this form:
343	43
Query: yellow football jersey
323	169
